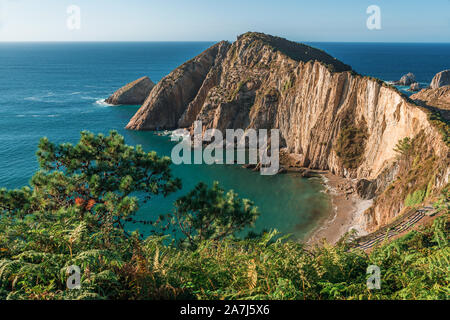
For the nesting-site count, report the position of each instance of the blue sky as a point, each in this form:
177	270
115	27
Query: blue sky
212	20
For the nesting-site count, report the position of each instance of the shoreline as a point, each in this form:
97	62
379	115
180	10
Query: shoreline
346	213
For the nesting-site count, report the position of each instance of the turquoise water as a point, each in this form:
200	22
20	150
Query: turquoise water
53	89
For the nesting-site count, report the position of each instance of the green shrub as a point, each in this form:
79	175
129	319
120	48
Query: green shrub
351	145
415	198
404	147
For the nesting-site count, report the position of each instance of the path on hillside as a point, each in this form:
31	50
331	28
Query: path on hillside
393	229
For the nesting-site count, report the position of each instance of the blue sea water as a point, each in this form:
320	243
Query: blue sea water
55	90
390	61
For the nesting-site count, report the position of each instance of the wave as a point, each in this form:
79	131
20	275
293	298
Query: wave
38	115
103	103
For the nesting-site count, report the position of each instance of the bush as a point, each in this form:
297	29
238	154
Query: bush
415	198
351	145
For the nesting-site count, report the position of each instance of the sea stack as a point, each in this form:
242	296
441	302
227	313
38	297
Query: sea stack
406	80
134	93
441	79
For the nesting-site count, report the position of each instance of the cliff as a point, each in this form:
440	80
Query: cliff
329	117
133	93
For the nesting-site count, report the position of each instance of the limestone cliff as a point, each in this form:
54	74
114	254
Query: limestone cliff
329	117
134	93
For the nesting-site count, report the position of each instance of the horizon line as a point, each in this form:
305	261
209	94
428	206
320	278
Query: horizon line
205	41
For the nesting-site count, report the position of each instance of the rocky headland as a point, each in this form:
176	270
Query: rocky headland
385	146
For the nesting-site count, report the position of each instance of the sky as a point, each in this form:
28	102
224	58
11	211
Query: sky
212	20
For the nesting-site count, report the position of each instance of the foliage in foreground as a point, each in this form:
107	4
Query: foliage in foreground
75	210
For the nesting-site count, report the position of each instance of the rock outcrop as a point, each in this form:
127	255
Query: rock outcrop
441	79
329	117
134	93
406	80
170	97
435	98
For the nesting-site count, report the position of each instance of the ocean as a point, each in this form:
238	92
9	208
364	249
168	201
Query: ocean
56	90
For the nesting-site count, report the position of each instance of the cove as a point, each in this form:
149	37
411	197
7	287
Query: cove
287	202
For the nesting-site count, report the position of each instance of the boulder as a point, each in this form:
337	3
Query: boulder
134	93
406	80
441	79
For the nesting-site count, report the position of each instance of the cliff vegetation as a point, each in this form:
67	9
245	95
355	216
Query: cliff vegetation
82	202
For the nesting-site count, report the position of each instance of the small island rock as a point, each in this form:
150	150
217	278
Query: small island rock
134	93
406	80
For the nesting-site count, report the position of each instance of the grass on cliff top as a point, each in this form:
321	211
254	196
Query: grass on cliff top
298	51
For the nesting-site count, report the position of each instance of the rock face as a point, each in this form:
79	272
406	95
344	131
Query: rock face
329	117
441	79
436	98
170	97
406	80
133	93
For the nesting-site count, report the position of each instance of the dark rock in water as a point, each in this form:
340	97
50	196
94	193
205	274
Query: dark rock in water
282	170
133	93
306	173
366	189
414	87
406	80
441	79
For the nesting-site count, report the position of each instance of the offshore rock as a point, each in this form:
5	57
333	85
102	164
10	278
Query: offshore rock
134	93
406	80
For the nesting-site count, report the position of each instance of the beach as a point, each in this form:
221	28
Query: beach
347	213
